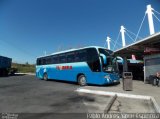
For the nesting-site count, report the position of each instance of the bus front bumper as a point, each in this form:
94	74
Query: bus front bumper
110	80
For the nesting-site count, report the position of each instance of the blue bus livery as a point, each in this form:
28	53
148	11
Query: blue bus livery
89	65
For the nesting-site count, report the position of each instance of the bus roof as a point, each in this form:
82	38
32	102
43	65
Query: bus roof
74	49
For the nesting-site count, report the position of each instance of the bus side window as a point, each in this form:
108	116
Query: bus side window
77	58
82	55
38	61
43	61
70	57
62	58
48	61
55	59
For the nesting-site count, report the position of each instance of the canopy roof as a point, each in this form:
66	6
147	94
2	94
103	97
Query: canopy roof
138	48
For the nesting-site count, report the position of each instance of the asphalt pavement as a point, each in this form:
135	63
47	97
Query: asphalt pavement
30	95
34	98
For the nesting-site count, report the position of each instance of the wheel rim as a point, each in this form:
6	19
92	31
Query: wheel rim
83	81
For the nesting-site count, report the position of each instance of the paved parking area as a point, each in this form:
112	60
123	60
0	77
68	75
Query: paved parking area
28	95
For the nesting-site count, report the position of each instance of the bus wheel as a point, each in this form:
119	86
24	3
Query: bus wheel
82	80
45	77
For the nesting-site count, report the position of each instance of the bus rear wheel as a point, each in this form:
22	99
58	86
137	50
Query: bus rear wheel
45	77
82	80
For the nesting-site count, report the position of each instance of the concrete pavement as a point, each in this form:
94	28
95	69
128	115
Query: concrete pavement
139	88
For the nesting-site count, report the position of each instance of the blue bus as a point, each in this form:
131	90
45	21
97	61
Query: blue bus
88	65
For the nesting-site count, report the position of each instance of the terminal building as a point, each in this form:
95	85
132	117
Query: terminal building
146	50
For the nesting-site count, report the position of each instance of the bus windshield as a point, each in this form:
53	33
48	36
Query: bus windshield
109	63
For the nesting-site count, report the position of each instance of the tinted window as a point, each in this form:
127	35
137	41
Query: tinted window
55	59
43	61
48	60
93	60
62	58
70	57
39	62
88	55
81	56
77	59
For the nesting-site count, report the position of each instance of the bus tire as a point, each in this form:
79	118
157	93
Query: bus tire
82	80
45	77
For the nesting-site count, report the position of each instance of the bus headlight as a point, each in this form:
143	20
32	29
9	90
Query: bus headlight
107	77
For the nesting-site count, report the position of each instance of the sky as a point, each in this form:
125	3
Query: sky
31	28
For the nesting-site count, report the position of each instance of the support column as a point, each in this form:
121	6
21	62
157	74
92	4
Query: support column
144	69
125	64
123	36
108	42
150	19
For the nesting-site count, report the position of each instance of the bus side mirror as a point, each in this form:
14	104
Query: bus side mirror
104	58
119	59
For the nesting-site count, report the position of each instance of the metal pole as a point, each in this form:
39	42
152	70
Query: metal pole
125	64
150	19
123	36
108	42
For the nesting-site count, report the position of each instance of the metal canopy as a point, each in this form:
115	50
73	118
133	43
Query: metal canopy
138	47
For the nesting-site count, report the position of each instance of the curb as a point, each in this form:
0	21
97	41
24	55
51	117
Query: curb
114	93
153	101
26	74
